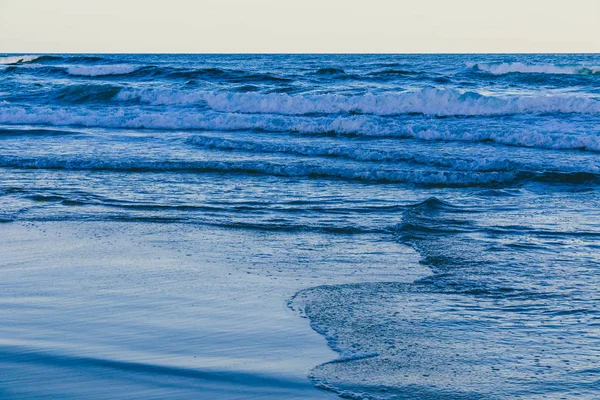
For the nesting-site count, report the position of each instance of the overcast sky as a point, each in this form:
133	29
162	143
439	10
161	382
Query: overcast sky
290	26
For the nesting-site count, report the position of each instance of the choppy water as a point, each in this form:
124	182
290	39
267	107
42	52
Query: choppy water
487	165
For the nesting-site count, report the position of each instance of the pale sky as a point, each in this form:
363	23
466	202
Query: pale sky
292	26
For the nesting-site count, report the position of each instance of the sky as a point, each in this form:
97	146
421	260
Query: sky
299	26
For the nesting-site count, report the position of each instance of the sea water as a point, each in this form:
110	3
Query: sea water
486	166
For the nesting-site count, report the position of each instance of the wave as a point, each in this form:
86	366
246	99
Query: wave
10	60
330	71
92	67
183	73
71	59
567	177
86	93
50	59
192	119
352	153
530	138
290	169
435	102
393	72
101	70
358	125
154	71
226	380
222	75
8	132
517	67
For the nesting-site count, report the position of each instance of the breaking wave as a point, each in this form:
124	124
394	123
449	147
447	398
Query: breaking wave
359	125
517	67
50	59
101	70
10	60
436	102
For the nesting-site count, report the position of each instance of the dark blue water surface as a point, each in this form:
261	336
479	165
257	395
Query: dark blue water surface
488	166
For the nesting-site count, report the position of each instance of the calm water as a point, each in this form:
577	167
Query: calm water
487	165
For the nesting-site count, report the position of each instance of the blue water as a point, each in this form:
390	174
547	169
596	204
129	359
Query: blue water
488	166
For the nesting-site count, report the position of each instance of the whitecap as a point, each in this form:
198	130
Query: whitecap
517	67
101	70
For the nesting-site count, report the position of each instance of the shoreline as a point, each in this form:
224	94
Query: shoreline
181	305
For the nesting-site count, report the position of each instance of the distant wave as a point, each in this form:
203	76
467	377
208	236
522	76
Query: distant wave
183	73
9	60
393	72
154	71
101	70
517	67
430	101
71	59
97	67
51	59
227	75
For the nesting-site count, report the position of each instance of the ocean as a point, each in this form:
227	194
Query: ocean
409	226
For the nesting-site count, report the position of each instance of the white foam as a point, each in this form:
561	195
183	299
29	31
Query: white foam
507	68
531	138
191	119
101	70
428	101
161	97
361	125
7	60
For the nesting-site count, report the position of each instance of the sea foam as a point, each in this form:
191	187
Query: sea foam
429	101
8	60
102	70
517	67
357	125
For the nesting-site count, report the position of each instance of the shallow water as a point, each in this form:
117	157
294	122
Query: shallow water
486	165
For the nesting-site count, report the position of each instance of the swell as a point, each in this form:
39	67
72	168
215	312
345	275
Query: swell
353	152
179	217
377	173
89	67
289	169
86	93
14	354
67	59
78	197
21	131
